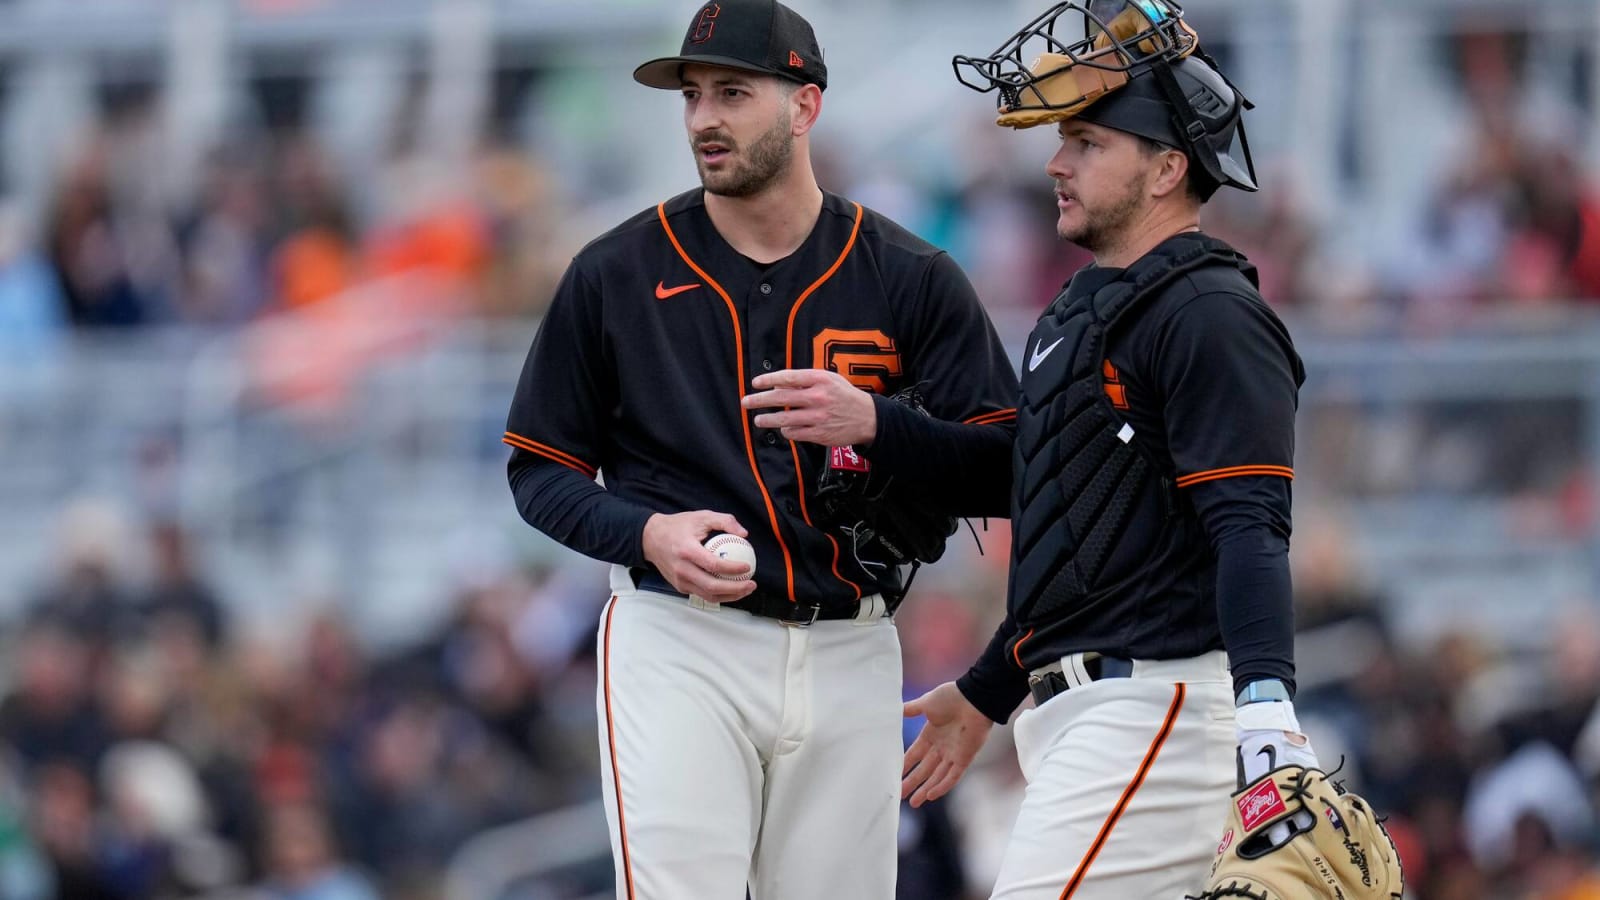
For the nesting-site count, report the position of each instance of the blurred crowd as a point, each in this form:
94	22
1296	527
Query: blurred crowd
273	225
151	748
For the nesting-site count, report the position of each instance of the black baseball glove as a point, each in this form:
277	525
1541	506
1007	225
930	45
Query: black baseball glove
886	522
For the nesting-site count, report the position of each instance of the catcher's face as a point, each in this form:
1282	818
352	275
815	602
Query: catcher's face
1102	181
741	128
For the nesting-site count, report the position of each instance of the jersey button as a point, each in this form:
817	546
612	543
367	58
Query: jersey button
772	438
766	289
766	364
788	507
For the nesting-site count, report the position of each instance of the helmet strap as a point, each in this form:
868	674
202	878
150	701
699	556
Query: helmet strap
1244	106
1189	125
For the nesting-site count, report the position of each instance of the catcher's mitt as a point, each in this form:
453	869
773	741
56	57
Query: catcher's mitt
1345	852
885	522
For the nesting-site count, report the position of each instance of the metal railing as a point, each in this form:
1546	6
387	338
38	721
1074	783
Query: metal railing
514	860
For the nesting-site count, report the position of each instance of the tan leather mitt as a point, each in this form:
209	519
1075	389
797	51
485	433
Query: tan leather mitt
1341	850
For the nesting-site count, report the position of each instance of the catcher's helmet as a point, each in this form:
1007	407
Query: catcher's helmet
1135	66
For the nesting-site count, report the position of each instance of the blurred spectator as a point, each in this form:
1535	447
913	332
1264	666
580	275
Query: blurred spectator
178	591
1274	230
89	595
224	242
49	717
65	823
317	256
302	861
111	257
33	312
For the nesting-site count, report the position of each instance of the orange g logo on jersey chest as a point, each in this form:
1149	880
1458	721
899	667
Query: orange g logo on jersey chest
867	359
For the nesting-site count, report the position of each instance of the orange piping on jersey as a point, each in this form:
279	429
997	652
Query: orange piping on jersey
738	358
789	364
1235	472
566	459
994	418
1016	649
795	311
611	739
1127	795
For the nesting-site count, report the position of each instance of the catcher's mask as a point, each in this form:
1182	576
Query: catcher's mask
1132	65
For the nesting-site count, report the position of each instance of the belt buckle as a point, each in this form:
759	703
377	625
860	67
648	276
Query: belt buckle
816	610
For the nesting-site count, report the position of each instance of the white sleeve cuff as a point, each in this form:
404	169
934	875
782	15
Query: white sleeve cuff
1275	715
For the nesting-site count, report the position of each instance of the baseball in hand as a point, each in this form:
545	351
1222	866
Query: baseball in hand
733	547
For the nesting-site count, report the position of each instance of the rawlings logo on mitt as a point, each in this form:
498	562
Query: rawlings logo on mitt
884	523
1343	852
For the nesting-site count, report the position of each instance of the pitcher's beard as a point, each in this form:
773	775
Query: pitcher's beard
765	161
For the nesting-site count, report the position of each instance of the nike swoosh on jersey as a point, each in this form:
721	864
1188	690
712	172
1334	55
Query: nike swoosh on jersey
1039	355
663	292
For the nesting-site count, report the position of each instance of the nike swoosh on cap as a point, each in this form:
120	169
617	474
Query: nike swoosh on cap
663	292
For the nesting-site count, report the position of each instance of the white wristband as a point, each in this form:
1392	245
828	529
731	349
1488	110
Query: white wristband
1274	715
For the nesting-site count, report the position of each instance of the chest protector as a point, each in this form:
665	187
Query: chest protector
1079	471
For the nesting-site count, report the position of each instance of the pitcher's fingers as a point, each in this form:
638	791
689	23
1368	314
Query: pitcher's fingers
726	591
727	568
777	398
787	378
715	521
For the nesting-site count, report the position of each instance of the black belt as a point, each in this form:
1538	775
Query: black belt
767	606
1048	682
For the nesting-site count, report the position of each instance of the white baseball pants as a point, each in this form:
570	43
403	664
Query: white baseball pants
737	751
1128	785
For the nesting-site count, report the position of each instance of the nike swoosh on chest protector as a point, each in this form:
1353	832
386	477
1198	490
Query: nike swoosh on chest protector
1039	355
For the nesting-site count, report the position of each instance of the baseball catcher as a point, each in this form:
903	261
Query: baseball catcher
1149	609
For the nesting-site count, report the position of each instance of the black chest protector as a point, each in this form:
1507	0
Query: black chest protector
1078	468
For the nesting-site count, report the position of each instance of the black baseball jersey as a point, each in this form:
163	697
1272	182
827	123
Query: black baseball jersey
653	338
1205	378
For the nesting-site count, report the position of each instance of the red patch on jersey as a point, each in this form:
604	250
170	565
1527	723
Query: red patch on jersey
1260	804
848	460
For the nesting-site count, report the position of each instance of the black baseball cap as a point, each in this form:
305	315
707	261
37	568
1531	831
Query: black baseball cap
754	35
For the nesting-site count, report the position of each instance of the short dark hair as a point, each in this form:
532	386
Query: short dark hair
1191	186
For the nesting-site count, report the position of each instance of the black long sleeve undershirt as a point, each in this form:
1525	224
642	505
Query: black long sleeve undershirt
1247	522
967	465
577	512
